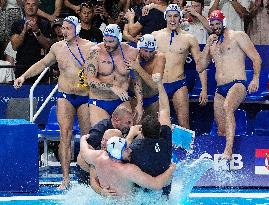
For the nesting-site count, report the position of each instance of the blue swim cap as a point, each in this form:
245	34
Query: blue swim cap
75	22
115	147
113	30
173	7
147	42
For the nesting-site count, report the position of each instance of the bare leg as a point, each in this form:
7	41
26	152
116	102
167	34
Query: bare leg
219	113
181	106
65	116
235	96
97	114
84	119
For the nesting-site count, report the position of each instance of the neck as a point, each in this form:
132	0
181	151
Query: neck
73	41
171	30
85	26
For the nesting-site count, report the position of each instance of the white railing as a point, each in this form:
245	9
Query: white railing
31	97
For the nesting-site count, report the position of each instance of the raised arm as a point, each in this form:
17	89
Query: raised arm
137	176
164	108
37	68
134	28
88	155
240	9
247	46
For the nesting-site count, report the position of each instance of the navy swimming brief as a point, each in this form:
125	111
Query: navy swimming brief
75	100
171	88
107	105
224	89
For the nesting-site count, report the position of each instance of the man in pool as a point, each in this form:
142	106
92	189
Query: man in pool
70	55
109	77
176	45
222	46
114	171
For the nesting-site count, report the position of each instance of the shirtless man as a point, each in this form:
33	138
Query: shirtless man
109	76
222	46
149	62
176	45
70	55
114	172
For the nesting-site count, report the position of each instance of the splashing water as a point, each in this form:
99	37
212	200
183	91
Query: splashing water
184	178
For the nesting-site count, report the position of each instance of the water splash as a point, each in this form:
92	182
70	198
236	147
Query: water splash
184	178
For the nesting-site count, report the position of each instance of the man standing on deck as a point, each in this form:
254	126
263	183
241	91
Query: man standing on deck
232	88
70	54
109	76
176	45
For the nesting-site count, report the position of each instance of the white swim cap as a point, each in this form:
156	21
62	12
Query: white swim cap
115	147
173	7
147	42
75	22
113	30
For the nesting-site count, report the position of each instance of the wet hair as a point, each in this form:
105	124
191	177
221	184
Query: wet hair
151	126
121	111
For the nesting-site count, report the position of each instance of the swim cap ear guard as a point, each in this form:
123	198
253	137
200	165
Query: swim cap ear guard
147	42
75	22
113	30
115	147
173	7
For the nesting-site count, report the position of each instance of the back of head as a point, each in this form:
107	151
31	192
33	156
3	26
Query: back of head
151	126
120	111
115	147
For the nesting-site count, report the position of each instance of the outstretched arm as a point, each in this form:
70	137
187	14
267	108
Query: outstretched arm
137	176
37	68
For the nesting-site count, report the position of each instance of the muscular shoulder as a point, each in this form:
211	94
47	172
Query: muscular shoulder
159	33
131	51
57	46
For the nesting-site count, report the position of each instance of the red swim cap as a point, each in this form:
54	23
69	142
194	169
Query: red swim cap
216	15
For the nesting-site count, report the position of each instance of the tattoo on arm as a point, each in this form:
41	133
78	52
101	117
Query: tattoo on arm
138	88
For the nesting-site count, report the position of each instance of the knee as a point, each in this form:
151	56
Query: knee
227	109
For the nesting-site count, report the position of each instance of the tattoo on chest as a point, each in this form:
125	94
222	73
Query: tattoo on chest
91	69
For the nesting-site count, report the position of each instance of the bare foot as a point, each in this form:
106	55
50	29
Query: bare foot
227	154
64	186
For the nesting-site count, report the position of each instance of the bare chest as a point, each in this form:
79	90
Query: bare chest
111	65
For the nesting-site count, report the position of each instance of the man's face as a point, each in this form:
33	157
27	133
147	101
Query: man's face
173	20
68	31
217	27
110	43
30	7
126	154
86	14
197	7
58	30
146	54
125	122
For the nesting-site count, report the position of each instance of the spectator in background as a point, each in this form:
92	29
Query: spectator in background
258	19
10	54
10	11
198	24
154	21
73	6
6	73
180	3
50	9
30	38
57	35
234	10
88	31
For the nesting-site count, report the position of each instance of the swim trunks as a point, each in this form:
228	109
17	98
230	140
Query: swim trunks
107	105
224	89
75	100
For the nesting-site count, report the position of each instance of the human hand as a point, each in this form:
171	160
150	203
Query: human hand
130	14
212	39
123	94
203	99
84	137
191	11
146	9
135	130
157	77
253	86
18	82
107	191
